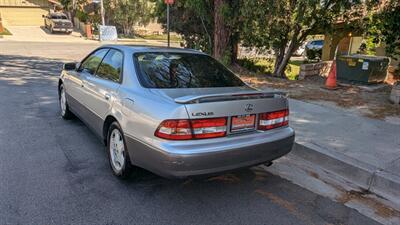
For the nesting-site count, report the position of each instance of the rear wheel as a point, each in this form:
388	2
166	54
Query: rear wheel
117	152
64	108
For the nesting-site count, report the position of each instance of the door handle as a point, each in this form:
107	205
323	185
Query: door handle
107	96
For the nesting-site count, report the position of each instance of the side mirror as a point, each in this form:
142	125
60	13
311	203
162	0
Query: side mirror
43	16
69	66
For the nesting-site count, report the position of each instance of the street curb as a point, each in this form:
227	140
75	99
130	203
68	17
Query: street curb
387	185
360	174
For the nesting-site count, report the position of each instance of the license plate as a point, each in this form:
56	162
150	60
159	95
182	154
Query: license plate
243	123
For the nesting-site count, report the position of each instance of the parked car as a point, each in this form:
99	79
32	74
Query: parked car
315	44
175	112
57	22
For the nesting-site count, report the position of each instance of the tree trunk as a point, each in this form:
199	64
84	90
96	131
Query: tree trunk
222	33
279	54
235	47
287	53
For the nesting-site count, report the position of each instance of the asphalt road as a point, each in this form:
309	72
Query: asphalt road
54	171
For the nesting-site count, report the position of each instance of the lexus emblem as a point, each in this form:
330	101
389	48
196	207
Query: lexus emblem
249	107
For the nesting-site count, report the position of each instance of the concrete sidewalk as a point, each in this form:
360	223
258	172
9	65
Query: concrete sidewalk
40	34
364	152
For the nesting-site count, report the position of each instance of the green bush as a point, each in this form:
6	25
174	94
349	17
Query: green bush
266	66
82	16
252	65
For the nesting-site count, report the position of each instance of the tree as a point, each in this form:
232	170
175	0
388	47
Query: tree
384	27
208	25
226	30
283	25
192	19
127	13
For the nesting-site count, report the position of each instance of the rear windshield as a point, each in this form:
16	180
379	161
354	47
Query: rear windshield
183	70
319	42
58	17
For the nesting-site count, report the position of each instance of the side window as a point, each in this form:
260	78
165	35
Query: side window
93	61
111	67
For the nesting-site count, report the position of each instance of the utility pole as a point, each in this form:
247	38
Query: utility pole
168	30
102	13
168	2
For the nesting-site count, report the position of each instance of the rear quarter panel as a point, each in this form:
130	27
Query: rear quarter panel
140	111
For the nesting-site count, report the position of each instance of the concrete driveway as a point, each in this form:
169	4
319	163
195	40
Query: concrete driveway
54	171
40	34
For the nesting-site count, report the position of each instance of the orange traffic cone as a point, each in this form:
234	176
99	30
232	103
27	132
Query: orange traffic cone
331	80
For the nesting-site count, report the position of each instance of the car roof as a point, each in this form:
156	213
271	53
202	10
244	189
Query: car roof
144	48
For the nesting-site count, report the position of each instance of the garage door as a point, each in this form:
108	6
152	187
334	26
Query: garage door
16	16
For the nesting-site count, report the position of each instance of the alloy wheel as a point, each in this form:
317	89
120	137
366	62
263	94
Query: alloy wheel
116	148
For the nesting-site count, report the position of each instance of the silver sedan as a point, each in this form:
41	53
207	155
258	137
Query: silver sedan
175	112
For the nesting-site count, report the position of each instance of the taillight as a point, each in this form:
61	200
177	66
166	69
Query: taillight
192	129
273	120
174	130
209	128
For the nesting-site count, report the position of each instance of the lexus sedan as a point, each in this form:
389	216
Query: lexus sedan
174	112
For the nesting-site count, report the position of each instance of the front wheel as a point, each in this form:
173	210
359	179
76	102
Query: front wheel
117	152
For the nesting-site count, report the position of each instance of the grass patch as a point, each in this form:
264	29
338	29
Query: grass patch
163	37
5	32
266	66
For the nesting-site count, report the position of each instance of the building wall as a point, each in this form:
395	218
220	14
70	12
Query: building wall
23	12
22	16
24	3
355	43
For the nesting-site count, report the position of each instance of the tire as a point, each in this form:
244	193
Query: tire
64	108
117	152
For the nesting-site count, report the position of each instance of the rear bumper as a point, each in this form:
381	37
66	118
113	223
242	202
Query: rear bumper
181	159
63	29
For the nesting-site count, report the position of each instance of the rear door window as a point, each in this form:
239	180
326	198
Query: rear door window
183	70
91	63
111	66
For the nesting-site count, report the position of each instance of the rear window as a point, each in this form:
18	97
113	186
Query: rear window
319	42
59	17
183	70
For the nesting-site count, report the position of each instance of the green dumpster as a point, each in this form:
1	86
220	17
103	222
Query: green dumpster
361	68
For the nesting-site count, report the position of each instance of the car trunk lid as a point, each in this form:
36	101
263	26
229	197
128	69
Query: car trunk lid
225	102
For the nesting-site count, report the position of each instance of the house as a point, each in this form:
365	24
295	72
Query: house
25	12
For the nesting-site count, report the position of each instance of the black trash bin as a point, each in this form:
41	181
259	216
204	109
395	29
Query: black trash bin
363	69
